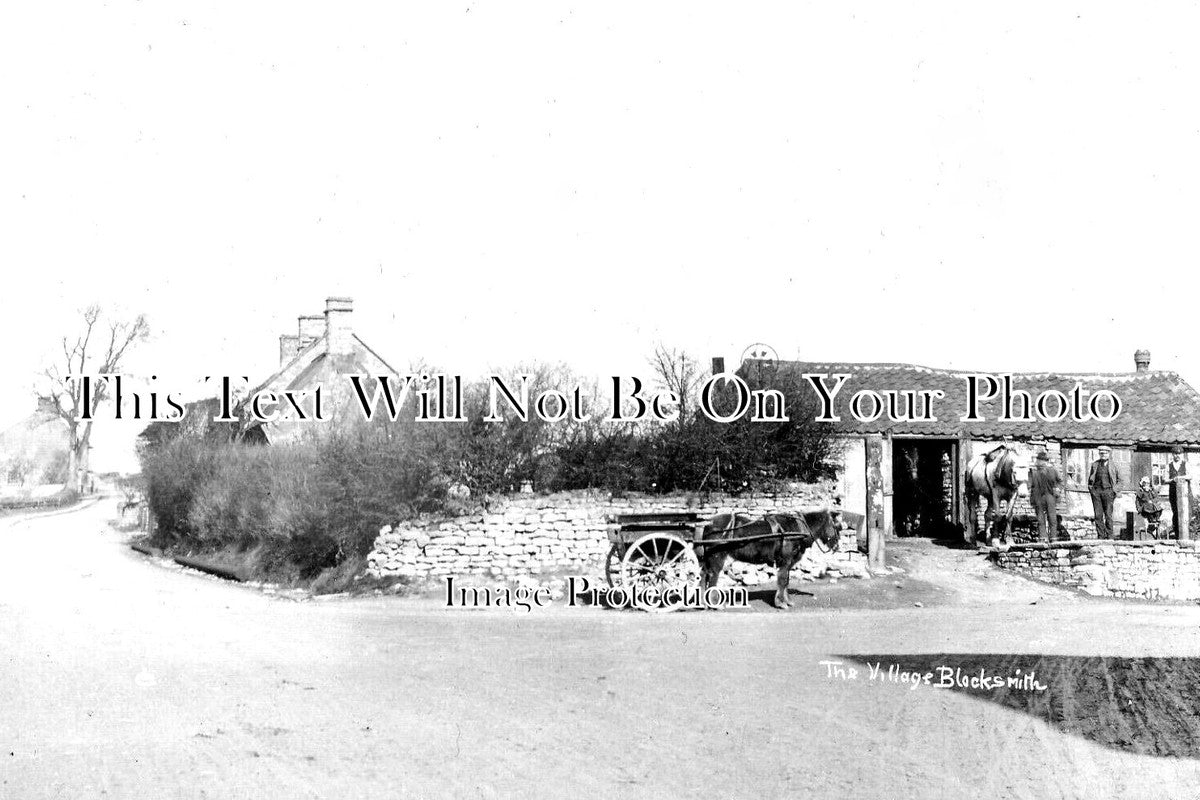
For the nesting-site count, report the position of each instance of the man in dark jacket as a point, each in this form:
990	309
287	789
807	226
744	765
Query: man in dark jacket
1102	486
1175	470
1043	493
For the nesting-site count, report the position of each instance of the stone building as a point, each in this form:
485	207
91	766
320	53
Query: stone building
321	353
907	475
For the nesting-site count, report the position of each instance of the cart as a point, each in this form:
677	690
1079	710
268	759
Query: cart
662	551
655	551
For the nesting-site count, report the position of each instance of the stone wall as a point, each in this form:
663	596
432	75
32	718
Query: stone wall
1024	527
527	534
1167	570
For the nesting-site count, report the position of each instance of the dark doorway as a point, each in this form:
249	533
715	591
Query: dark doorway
923	487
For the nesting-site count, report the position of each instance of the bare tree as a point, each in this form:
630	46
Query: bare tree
97	350
677	372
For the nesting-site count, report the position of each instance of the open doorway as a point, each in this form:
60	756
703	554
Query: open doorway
924	487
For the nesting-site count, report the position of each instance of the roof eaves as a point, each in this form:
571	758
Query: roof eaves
369	349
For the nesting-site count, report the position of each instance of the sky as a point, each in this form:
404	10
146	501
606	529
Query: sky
1004	188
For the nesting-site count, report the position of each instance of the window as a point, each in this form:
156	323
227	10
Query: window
1078	460
1160	478
1075	466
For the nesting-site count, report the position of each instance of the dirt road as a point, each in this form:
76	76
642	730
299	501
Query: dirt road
120	678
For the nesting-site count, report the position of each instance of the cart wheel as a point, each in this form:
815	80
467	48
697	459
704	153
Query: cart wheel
660	561
612	566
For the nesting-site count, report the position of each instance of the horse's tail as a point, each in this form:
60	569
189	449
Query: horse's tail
969	481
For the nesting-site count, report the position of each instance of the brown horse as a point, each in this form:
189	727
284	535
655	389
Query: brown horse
785	538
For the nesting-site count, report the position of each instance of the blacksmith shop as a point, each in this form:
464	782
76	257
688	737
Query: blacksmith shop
907	476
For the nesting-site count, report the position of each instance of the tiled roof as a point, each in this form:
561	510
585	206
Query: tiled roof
1158	408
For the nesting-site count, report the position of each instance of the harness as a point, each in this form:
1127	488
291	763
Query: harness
777	531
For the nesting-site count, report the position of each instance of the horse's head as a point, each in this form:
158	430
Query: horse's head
825	526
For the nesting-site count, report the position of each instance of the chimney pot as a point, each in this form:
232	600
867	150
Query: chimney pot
1141	360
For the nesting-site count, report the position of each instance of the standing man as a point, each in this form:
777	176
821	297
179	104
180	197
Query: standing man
1043	490
1177	469
1102	486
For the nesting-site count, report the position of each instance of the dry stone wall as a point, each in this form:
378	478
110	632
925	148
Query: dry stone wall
527	534
1164	570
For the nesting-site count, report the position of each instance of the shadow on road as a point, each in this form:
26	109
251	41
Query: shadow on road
1149	706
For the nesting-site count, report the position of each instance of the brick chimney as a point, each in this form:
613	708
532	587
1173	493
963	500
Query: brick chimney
310	327
289	348
339	333
1141	360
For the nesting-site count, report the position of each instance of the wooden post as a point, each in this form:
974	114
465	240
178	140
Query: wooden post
1183	518
961	489
875	499
1128	533
875	487
876	559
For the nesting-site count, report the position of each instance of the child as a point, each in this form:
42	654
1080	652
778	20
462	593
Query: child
1149	506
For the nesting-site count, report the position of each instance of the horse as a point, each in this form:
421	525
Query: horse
785	539
991	475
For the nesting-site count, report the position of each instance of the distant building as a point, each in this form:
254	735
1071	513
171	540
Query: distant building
35	451
323	351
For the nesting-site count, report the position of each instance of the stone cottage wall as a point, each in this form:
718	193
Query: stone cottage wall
1150	570
526	534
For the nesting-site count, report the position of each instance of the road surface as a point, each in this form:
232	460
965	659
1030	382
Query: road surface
122	678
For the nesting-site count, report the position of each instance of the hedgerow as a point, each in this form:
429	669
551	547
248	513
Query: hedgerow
310	505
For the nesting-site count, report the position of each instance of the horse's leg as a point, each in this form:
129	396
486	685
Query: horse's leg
783	574
706	572
989	519
1008	514
999	519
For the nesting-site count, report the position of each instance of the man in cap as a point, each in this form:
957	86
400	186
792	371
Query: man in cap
1175	470
1102	486
1043	489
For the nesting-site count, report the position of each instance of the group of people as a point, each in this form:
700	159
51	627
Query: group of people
1102	481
